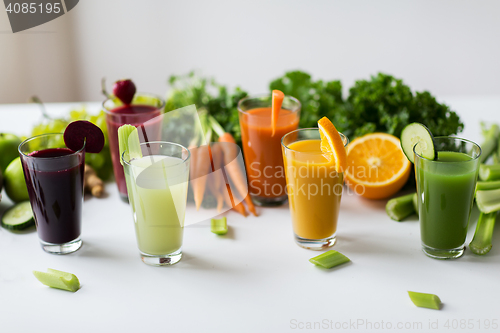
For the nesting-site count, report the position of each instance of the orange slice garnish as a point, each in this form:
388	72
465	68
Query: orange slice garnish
332	144
277	101
377	168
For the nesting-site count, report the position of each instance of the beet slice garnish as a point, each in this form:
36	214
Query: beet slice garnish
124	90
80	131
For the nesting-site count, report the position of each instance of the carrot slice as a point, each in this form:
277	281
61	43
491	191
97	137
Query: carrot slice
277	101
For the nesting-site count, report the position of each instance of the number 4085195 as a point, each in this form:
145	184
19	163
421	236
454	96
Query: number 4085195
471	324
32	8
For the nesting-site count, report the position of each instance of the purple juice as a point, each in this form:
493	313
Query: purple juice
54	178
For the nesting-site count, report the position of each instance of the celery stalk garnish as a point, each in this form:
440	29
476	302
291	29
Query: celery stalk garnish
400	207
481	243
329	259
424	300
219	226
128	142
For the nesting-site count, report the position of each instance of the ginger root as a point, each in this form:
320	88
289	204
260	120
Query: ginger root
92	183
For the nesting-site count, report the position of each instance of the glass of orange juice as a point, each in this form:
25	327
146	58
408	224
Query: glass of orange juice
262	149
314	188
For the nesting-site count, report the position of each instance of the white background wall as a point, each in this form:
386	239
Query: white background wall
447	47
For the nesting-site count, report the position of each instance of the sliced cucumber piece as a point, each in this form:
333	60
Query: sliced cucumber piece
18	217
417	133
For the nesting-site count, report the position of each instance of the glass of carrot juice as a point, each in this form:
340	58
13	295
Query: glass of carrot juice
262	149
314	188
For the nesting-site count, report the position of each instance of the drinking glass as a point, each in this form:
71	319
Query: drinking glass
262	150
54	178
445	188
314	188
144	112
157	186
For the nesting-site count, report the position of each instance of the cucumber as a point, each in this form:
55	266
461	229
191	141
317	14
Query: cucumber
417	133
18	217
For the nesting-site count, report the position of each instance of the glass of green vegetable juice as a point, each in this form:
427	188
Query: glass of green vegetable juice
445	188
157	185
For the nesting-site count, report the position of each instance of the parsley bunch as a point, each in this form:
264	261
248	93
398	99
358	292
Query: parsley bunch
381	104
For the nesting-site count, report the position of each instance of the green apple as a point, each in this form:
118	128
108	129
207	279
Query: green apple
8	149
15	185
1	184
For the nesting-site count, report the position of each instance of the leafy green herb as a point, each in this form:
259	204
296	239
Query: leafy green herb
207	95
381	104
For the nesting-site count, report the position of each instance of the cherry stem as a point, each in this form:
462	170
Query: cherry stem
103	88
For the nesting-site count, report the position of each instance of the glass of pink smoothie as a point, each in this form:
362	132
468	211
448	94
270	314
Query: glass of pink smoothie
144	113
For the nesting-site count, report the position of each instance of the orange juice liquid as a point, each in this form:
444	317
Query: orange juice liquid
314	190
263	157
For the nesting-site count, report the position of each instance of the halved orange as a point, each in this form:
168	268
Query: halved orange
332	144
377	168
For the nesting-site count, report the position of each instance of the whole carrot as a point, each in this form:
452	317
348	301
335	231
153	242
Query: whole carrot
234	170
216	180
201	165
193	175
239	207
199	179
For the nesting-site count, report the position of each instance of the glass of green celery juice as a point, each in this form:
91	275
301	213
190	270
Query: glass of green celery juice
445	188
157	185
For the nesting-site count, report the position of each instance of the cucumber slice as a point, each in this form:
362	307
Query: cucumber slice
417	133
18	217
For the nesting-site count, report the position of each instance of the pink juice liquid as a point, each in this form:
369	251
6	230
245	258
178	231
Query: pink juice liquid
135	115
55	187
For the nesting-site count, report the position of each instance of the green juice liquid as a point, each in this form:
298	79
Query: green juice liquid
158	200
445	198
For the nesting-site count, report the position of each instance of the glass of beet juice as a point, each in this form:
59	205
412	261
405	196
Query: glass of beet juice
143	112
54	177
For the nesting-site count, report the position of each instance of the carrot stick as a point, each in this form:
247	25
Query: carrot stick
234	170
277	101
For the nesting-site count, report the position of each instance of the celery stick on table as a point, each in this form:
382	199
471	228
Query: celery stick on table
329	259
481	243
401	207
489	145
489	172
219	226
488	201
424	300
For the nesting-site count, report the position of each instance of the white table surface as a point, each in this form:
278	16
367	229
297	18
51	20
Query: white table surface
254	279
